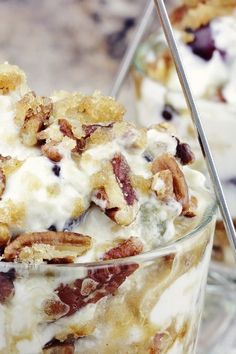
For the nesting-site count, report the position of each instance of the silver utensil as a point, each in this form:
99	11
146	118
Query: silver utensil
128	57
166	25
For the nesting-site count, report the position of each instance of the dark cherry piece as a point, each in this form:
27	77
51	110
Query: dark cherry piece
203	44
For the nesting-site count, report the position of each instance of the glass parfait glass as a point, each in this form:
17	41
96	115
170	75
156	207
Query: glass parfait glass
149	303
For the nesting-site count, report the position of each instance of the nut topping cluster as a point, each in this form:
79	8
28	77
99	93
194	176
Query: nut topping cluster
75	128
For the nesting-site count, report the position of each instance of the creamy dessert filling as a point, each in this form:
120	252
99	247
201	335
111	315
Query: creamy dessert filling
79	184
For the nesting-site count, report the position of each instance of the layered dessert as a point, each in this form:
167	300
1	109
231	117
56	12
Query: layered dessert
105	229
206	36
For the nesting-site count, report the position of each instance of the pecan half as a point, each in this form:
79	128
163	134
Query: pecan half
7	288
57	347
99	283
162	184
122	173
168	162
127	248
31	246
117	196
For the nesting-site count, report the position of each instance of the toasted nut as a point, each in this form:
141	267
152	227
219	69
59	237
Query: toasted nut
162	184
113	183
122	173
36	246
127	248
50	150
104	282
55	309
168	162
5	234
2	182
65	128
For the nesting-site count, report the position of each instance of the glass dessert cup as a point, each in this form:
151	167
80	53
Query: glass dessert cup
156	103
150	303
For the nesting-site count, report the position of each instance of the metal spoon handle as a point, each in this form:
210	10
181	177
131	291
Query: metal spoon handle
229	226
128	58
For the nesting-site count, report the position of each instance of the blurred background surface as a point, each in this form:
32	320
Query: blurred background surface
67	44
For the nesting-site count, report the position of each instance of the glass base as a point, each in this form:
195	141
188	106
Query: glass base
217	333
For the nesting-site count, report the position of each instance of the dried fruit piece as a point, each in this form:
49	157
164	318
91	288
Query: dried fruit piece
184	153
162	184
57	347
127	248
168	162
35	246
7	288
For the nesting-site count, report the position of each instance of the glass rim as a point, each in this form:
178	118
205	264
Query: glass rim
162	250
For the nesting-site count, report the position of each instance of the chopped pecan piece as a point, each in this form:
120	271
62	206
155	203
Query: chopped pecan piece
113	184
102	282
184	153
50	150
162	184
7	288
31	246
127	248
191	212
2	182
168	162
55	309
122	172
57	347
65	128
162	341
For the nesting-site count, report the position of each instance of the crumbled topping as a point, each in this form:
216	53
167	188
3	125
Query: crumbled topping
11	77
32	115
